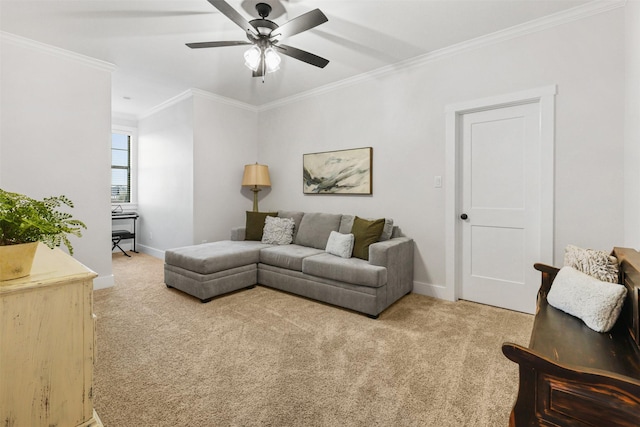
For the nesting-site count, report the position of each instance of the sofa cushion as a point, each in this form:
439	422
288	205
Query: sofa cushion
365	233
212	257
315	229
352	270
255	224
287	256
296	216
346	224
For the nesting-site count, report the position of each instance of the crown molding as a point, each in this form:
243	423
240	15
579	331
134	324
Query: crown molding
192	93
580	12
224	100
56	51
166	104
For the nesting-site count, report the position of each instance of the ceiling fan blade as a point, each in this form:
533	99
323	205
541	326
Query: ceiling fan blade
302	55
299	24
232	14
201	45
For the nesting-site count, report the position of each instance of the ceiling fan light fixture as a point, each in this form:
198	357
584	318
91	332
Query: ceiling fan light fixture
265	35
272	60
252	58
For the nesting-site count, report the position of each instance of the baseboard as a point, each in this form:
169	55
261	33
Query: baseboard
157	253
102	282
431	290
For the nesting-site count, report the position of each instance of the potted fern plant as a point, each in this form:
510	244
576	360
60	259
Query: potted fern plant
24	222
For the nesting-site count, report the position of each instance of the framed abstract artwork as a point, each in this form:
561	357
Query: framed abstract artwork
338	172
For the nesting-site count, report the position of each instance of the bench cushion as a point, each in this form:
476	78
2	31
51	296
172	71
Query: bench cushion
216	256
351	270
287	256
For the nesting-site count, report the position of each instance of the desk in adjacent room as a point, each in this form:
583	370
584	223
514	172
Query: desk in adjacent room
118	235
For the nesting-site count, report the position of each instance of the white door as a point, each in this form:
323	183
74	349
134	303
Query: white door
500	206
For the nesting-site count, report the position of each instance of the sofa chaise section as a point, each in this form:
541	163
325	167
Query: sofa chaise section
211	269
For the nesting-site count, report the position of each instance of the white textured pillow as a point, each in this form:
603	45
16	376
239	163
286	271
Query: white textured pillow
598	264
278	231
597	303
340	244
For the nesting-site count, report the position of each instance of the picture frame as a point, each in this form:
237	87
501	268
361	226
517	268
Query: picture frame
347	171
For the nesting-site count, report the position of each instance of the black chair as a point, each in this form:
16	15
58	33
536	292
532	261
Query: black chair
119	235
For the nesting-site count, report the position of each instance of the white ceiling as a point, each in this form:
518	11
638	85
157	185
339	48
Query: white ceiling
146	39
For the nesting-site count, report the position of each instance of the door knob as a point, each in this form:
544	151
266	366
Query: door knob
464	216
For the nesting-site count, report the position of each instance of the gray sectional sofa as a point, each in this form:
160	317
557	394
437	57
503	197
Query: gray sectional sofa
302	267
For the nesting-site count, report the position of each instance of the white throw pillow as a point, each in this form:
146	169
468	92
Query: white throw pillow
340	244
597	303
278	231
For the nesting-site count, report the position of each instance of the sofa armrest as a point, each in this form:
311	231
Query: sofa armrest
238	233
396	255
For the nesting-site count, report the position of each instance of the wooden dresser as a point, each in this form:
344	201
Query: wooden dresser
47	344
571	375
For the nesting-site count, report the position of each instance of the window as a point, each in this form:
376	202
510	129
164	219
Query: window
121	167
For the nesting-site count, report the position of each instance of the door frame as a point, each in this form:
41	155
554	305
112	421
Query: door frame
545	98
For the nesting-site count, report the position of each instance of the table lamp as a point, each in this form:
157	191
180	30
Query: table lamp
254	176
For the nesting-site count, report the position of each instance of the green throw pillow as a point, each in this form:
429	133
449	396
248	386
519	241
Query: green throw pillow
255	224
365	233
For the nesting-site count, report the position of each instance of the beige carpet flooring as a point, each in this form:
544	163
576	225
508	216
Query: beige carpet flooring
261	357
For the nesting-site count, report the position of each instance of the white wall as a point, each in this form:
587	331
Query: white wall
632	127
165	178
55	132
191	159
224	141
401	115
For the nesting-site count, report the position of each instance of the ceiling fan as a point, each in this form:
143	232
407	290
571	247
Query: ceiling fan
265	35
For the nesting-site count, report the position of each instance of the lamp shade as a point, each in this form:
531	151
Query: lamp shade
256	175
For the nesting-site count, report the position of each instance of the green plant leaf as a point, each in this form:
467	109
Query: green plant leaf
24	220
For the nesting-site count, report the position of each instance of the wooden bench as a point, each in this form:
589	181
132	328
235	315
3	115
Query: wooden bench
571	375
